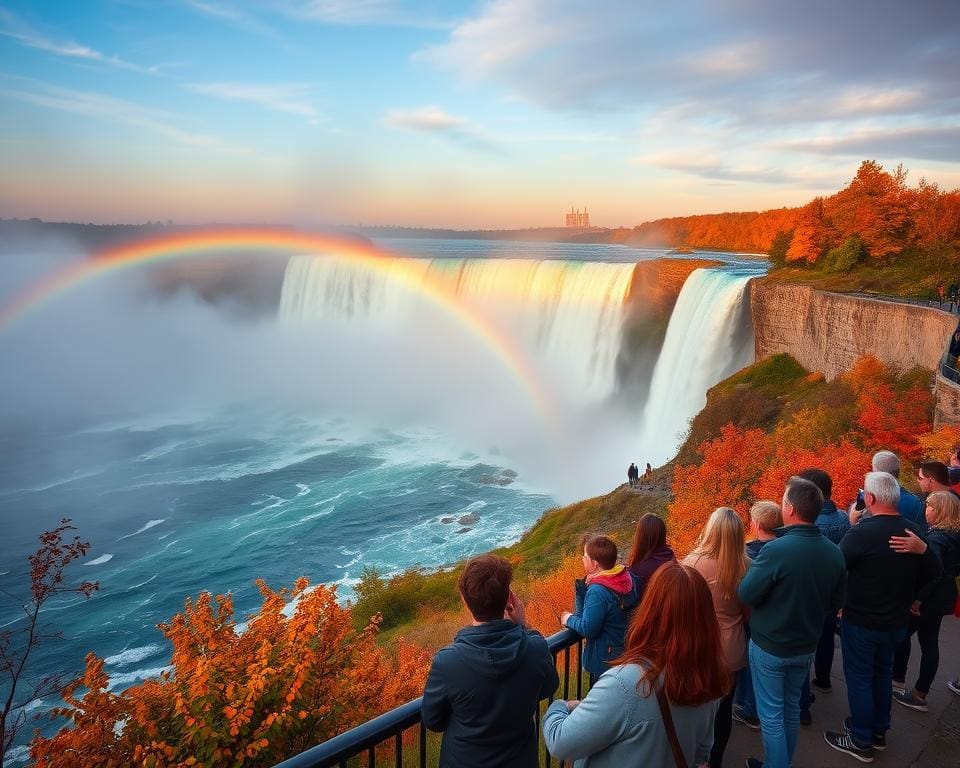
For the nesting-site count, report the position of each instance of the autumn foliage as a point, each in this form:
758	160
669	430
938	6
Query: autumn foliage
19	639
238	698
742	465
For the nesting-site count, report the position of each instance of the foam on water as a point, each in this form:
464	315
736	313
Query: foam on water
149	524
101	560
126	678
130	656
142	583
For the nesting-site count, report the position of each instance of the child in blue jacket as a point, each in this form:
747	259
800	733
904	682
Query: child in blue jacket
604	602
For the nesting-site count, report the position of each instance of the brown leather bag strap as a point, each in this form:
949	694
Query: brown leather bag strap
678	757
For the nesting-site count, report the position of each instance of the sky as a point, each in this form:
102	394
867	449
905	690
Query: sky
458	114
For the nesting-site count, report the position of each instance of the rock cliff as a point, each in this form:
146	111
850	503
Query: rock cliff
827	332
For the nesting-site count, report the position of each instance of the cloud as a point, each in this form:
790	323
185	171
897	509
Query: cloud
707	166
400	13
281	97
739	59
116	111
16	29
922	142
436	121
429	119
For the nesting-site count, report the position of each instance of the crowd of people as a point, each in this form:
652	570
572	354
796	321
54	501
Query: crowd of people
677	650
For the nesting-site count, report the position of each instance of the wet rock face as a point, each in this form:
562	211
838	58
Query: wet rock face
470	519
828	332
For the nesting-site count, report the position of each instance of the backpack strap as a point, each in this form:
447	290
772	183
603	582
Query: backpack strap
678	757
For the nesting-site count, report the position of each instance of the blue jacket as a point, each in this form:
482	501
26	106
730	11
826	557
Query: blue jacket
483	692
912	508
601	615
832	522
939	597
616	726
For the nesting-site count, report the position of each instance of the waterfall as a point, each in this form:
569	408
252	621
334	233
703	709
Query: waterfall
566	315
708	339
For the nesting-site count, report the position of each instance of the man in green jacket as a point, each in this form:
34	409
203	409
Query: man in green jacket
792	585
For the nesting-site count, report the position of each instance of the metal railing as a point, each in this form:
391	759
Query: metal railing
947	304
390	726
949	369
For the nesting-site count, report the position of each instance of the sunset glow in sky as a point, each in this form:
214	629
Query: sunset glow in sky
464	114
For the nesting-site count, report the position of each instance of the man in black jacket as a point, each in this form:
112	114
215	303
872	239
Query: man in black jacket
484	690
881	587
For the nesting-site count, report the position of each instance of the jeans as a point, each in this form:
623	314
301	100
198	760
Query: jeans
928	634
743	698
722	725
868	669
776	684
805	696
823	661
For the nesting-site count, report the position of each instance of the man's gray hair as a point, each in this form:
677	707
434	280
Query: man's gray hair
886	461
883	486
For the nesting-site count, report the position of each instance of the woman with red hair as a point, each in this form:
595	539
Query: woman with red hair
669	679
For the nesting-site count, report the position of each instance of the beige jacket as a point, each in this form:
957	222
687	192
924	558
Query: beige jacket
729	614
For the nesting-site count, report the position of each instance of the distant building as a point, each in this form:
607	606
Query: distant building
577	219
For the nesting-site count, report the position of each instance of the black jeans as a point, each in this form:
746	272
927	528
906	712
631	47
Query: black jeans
823	661
722	725
928	634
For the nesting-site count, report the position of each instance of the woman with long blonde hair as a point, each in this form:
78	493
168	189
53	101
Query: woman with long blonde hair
720	557
933	602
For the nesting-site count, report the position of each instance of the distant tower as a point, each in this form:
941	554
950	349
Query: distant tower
577	219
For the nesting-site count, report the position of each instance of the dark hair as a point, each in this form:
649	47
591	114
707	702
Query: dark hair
819	478
674	632
651	535
603	550
485	586
805	498
936	471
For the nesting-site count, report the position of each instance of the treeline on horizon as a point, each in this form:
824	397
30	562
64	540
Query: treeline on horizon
876	219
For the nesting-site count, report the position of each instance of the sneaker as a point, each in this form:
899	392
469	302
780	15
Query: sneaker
880	741
752	762
823	687
910	701
843	743
805	717
899	687
954	685
753	723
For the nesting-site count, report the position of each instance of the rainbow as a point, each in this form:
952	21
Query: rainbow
214	242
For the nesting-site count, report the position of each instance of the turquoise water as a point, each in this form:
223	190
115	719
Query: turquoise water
173	507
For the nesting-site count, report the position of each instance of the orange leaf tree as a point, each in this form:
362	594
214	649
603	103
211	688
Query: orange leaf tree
731	465
233	698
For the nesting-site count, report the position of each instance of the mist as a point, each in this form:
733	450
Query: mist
116	350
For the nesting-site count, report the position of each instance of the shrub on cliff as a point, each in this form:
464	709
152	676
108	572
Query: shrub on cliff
237	698
836	426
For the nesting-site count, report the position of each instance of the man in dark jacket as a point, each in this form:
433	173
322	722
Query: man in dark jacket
483	691
791	585
834	524
881	586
